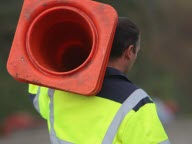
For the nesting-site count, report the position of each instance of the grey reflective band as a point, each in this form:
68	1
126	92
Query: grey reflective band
53	137
36	100
126	107
51	107
165	142
55	140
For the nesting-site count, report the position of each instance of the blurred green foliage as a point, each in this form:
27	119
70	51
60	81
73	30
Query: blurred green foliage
164	65
14	97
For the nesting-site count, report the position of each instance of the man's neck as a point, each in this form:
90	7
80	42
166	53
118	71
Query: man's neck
117	64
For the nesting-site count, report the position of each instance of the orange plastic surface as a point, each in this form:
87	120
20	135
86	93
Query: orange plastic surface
63	44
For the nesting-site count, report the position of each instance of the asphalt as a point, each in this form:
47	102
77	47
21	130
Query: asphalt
179	131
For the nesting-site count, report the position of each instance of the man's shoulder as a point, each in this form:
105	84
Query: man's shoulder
117	88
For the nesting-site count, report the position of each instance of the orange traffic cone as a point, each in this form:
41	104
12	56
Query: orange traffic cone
63	44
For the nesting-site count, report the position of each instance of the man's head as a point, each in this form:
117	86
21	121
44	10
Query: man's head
125	46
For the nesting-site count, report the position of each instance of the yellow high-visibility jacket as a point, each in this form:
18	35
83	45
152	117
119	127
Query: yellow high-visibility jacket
78	119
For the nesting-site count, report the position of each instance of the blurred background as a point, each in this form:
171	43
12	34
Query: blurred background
163	68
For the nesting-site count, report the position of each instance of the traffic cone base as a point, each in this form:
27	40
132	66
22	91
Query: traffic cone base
63	44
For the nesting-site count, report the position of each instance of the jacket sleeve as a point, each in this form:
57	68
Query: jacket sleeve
143	127
40	99
32	90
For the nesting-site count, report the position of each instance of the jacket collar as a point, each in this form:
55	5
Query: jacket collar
115	72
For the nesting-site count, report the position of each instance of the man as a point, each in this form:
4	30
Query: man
119	113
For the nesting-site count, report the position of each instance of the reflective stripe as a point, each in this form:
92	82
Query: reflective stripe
53	137
165	142
55	140
36	100
127	106
51	106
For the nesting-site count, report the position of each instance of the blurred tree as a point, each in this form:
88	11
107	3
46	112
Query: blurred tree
13	94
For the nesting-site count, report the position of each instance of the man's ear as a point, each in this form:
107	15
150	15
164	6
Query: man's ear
129	52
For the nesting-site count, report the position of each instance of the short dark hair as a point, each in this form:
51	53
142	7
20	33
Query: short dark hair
127	33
